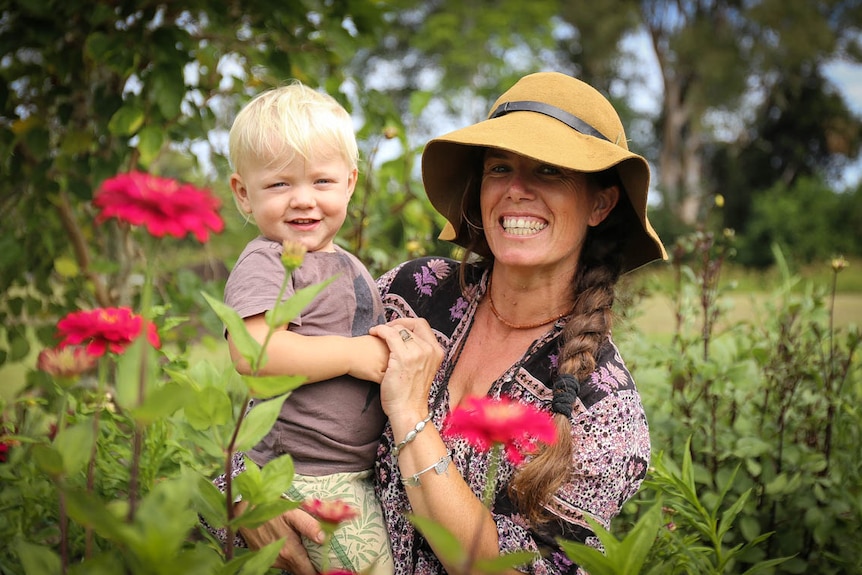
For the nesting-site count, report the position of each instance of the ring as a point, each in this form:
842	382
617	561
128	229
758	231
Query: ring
405	335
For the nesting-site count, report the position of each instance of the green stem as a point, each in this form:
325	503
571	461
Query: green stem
138	437
494	459
91	464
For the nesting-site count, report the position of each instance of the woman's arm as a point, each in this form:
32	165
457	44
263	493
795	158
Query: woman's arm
446	498
318	357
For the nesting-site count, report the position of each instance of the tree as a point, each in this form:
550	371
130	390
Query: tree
88	90
716	58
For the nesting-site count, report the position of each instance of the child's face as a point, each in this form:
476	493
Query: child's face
304	201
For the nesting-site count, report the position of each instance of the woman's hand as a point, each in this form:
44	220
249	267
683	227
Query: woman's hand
414	358
291	524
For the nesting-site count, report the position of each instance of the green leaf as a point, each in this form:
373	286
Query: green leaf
259	514
210	407
168	88
37	559
248	347
266	386
729	515
255	562
639	541
74	445
130	373
158	541
150	140
210	503
285	311
48	460
592	560
66	267
448	548
627	556
88	510
162	402
419	100
277	475
249	483
127	120
258	422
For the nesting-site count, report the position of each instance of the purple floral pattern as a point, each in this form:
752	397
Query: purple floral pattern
609	428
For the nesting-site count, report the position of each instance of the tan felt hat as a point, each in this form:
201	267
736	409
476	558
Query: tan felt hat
553	118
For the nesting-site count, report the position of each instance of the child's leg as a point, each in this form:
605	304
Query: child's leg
360	545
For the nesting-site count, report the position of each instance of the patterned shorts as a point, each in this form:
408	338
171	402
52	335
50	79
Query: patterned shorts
360	545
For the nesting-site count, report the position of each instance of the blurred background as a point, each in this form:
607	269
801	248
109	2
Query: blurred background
749	111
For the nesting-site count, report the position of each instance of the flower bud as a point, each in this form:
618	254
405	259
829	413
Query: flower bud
839	264
293	254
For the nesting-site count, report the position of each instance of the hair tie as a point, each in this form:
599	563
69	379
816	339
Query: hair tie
566	388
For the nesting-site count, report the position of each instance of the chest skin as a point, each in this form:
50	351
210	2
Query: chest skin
488	352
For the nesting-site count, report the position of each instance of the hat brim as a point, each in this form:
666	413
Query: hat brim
447	163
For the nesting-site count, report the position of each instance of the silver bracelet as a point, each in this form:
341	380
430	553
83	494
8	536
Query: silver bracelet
411	435
439	468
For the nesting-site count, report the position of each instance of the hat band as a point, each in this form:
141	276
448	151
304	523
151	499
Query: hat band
568	119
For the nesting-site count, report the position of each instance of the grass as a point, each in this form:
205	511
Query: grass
748	293
655	314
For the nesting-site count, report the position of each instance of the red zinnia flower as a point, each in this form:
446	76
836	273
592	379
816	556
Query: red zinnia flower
333	512
66	362
104	329
4	450
485	422
163	205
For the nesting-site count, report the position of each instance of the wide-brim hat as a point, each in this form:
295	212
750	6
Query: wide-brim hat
552	118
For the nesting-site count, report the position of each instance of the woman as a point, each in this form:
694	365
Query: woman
546	193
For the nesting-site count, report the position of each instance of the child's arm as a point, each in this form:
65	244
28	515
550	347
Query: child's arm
316	357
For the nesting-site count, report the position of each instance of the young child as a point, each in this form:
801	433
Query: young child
295	156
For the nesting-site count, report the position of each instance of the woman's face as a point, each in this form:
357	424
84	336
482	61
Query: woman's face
536	214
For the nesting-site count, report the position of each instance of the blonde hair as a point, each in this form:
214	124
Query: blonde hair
292	119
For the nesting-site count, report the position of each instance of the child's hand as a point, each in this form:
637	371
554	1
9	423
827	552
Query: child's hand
369	356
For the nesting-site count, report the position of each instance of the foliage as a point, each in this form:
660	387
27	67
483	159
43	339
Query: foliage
804	220
765	410
88	91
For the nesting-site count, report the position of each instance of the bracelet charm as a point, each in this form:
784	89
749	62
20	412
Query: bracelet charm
439	468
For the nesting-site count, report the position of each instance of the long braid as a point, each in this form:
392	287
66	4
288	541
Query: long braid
600	266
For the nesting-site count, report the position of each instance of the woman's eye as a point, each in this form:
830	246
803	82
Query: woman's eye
549	170
496	169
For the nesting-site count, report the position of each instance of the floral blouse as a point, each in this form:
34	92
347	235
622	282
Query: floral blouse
609	427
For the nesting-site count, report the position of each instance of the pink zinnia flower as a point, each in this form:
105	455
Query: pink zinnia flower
163	205
66	362
104	329
486	422
333	511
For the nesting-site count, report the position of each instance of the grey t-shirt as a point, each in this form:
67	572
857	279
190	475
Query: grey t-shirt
328	426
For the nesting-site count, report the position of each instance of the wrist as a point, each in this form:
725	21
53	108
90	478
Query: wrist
408	436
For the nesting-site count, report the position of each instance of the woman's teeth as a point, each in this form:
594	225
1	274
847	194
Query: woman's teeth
523	226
